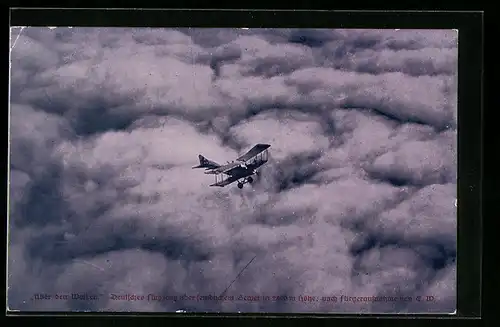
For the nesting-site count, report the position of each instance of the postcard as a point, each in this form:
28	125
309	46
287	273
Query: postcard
232	170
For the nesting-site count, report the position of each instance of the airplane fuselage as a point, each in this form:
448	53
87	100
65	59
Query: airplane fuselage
210	166
245	170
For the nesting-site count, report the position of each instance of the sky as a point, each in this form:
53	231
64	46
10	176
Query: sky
354	212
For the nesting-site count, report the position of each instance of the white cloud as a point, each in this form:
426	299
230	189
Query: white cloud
357	198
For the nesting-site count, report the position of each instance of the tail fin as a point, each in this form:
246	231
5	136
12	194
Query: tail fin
205	163
203	160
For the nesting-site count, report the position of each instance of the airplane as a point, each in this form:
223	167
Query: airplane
240	170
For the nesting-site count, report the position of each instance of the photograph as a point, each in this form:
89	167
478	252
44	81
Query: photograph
232	170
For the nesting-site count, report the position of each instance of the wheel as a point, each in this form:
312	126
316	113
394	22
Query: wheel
250	180
240	185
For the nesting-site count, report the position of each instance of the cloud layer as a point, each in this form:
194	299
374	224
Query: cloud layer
356	207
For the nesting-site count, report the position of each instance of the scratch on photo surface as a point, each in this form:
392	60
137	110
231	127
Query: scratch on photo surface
241	271
17	38
89	263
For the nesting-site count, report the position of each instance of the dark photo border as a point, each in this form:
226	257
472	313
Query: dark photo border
470	111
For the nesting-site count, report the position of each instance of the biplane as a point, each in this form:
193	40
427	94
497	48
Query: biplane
240	170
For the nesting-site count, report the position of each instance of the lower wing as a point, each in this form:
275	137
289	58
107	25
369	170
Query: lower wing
226	181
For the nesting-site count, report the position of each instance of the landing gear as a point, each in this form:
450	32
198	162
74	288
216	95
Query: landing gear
242	182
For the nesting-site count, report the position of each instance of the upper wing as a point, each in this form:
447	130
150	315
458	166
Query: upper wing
253	152
227	181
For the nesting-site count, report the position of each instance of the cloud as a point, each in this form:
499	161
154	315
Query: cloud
427	61
418	162
418	213
396	95
261	58
356	200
